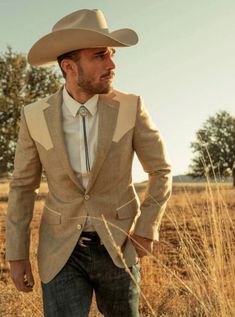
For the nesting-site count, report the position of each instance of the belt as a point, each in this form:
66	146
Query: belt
88	238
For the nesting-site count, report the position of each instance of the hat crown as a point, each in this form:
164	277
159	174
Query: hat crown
79	30
83	19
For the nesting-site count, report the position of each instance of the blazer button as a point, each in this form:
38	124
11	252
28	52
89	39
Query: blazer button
87	197
79	227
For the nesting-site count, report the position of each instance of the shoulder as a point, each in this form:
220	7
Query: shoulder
35	110
41	104
128	104
37	104
127	98
34	116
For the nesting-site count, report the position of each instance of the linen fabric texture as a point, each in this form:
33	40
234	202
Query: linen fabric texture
110	198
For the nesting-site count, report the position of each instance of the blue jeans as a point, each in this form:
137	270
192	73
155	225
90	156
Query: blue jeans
90	268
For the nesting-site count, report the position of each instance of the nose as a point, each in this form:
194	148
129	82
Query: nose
110	63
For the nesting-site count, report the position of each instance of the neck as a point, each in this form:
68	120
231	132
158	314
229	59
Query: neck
78	94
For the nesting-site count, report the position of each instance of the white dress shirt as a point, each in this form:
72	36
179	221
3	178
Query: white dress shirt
74	137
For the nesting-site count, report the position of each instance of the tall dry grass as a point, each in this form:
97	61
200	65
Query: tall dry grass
200	278
191	272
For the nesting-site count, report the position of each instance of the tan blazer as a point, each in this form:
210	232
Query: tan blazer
124	128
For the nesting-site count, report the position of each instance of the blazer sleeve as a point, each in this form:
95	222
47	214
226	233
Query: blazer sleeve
25	180
151	151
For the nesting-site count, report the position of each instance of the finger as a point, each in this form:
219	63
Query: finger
19	282
28	286
29	276
19	279
143	250
140	252
25	288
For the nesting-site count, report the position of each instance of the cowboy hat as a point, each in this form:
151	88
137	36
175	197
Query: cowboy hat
80	29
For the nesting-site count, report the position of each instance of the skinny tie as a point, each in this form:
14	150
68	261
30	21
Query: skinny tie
83	113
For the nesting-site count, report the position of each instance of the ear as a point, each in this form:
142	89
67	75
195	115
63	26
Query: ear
68	66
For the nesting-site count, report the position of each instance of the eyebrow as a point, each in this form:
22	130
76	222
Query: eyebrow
105	51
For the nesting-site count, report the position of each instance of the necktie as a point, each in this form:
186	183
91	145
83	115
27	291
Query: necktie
83	113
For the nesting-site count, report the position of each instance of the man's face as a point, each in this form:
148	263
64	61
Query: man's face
95	70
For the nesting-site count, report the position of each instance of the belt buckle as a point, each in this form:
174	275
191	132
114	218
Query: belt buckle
85	241
82	241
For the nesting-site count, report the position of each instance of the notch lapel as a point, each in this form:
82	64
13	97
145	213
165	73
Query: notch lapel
53	116
108	113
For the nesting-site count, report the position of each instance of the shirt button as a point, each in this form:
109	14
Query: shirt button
79	227
86	197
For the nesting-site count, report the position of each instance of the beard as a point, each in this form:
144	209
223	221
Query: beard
89	86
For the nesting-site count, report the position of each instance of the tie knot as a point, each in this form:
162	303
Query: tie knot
83	111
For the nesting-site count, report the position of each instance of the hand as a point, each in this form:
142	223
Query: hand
142	245
21	275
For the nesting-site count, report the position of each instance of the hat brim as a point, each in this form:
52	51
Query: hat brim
48	48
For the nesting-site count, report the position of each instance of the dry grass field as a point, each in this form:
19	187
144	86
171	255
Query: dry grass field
192	271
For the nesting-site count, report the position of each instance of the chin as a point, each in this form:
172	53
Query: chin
106	90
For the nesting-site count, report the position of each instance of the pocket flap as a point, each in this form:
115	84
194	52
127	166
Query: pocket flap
128	210
51	216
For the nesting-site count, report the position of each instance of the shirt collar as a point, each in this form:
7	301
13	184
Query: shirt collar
74	105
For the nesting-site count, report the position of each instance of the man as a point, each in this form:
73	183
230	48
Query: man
84	137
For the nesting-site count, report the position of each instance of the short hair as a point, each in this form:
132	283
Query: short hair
73	55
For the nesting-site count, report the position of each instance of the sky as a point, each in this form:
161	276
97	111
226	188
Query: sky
183	65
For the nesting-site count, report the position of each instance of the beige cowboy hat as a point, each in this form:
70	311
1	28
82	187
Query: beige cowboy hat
80	29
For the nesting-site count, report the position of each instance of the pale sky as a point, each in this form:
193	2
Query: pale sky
183	65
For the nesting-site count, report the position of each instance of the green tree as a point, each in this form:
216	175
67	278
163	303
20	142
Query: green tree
20	84
214	147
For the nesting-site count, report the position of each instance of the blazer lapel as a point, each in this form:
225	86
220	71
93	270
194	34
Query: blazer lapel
53	116
108	113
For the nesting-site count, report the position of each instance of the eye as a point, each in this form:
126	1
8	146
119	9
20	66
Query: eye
102	57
